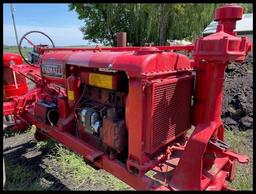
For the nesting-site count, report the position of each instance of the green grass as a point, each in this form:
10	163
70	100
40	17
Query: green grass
22	179
242	142
14	49
79	171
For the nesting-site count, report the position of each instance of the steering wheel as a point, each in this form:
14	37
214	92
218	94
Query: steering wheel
36	48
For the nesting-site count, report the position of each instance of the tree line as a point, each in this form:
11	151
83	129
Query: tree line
145	23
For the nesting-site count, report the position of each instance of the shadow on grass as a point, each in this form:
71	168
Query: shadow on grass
24	169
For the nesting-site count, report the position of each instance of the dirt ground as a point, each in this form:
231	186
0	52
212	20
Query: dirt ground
238	96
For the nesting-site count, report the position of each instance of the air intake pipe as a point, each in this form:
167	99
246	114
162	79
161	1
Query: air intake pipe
121	39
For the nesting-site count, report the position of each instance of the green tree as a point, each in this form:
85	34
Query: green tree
144	23
247	7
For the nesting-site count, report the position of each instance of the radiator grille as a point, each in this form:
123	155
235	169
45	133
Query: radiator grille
171	111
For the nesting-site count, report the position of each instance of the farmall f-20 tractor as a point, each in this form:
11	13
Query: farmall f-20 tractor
128	109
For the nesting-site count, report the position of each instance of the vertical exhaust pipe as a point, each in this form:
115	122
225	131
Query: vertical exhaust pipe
121	39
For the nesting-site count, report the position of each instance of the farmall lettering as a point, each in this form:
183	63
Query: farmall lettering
134	118
52	70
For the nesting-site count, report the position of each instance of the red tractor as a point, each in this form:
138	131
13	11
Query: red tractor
128	109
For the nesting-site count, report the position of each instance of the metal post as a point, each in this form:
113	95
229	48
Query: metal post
121	39
16	36
14	25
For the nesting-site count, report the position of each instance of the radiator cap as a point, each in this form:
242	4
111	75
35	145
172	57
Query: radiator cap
228	11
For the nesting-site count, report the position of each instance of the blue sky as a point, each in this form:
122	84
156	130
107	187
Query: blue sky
55	20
